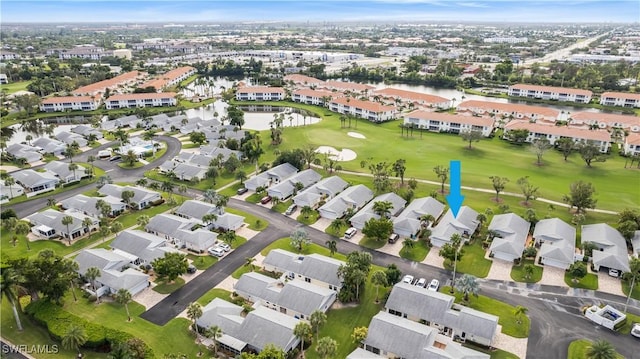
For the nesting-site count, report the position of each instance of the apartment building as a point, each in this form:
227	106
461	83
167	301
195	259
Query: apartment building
606	120
125	79
444	122
621	99
133	100
70	103
170	78
600	138
347	86
371	111
562	94
260	93
509	111
632	144
303	80
417	98
312	97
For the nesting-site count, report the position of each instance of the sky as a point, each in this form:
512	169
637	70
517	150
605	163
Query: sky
179	11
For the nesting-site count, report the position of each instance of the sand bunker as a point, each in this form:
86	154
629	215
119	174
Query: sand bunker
356	135
344	155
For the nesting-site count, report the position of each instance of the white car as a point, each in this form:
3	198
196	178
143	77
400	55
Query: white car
422	282
614	272
225	247
216	251
407	279
635	330
434	285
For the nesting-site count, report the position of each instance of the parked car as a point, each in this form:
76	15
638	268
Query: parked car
614	272
191	269
292	208
393	238
115	158
242	190
407	279
434	285
216	251
225	247
635	330
422	282
265	199
349	233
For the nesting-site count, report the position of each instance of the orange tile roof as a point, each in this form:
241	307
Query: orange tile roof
606	117
623	95
314	93
260	89
633	139
365	105
103	85
598	135
162	80
509	107
445	117
141	96
297	78
73	99
411	95
552	89
348	85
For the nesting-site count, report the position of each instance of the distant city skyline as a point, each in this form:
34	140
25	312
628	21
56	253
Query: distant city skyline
540	11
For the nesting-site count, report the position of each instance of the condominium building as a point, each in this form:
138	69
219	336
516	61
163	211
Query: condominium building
600	138
417	98
371	111
70	103
127	78
444	122
562	94
632	144
260	93
509	110
133	100
312	97
170	78
622	99
606	120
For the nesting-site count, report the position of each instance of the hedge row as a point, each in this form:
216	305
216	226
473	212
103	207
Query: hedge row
57	321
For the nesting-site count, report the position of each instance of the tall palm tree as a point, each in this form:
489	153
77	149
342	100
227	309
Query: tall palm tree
248	262
10	181
167	187
326	347
123	296
632	276
74	338
302	330
91	274
332	245
317	319
66	221
210	195
601	349
214	332
194	311
91	160
306	211
382	208
519	311
9	288
467	284
73	167
87	223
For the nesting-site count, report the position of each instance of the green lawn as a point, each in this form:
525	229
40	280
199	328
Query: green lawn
127	166
285	243
254	198
636	289
590	281
214	293
231	190
255	223
504	311
495	353
165	287
473	261
631	318
578	349
15	87
416	254
310	219
372	243
553	178
202	262
282	206
337	232
517	272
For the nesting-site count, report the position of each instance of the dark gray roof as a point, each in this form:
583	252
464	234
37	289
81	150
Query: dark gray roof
180	228
559	239
140	194
287	186
314	266
466	221
61	169
101	258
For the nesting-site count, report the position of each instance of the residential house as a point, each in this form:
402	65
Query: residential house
142	198
136	100
85	131
631	145
62	171
184	233
510	236
260	93
69	138
50	146
296	298
465	224
390	336
189	172
408	223
9	192
250	333
418	99
271	176
312	97
508	111
324	190
87	205
291	185
352	198
35	182
367	212
557	241
368	110
561	94
439	310
313	268
141	248
114	272
611	249
70	103
622	99
48	224
29	153
607	121
444	122
195	210
599	138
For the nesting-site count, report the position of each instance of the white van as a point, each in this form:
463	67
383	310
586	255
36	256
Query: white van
350	233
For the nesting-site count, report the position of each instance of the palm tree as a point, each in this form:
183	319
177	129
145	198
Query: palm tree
248	262
317	319
426	219
91	160
194	311
116	227
302	330
379	278
241	176
73	167
51	201
467	284
601	349
332	245
10	181
214	332
123	296
28	138
9	288
167	187
130	157
326	347
519	311
22	228
382	208
87	223
336	224
142	182
182	189
143	220
74	338
210	195
306	211
66	221
104	232
632	276
528	270
91	274
408	244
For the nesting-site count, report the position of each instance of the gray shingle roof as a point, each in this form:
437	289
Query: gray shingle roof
366	213
613	253
61	169
314	266
286	188
140	194
180	228
141	244
465	222
195	209
282	171
100	258
87	204
513	231
53	219
30	178
559	239
328	187
352	197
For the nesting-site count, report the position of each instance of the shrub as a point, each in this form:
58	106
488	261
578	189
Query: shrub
530	252
8	213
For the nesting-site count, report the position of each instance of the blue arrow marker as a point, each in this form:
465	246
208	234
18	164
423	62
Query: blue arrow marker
455	198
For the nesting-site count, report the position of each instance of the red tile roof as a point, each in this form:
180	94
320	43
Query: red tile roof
552	89
606	117
260	89
161	81
633	139
623	95
351	86
598	135
365	105
508	107
72	99
302	79
445	117
411	95
103	85
141	96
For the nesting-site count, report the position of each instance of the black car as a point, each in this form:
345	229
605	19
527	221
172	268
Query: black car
115	158
242	190
191	269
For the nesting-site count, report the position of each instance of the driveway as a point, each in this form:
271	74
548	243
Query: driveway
553	276
433	258
609	284
500	270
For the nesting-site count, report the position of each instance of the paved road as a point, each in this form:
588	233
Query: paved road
117	174
564	53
